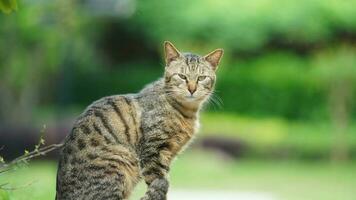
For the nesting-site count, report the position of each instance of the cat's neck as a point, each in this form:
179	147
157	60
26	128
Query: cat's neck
186	109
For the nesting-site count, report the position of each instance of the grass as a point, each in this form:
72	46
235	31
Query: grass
268	137
291	179
287	180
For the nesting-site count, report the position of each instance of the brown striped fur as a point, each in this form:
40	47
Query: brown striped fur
120	139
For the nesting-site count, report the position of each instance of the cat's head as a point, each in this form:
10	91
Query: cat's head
189	77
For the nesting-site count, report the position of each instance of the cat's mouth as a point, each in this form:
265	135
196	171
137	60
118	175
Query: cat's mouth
191	96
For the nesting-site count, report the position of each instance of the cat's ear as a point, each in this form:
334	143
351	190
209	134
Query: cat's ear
214	57
171	52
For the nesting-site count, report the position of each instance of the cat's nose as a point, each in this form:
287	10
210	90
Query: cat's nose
192	88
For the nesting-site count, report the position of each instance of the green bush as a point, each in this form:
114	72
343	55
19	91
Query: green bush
271	50
245	25
277	84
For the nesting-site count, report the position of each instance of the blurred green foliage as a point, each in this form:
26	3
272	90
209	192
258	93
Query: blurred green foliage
294	61
277	138
7	6
272	50
245	25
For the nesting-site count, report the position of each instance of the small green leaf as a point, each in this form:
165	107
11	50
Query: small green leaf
26	152
42	141
8	6
4	195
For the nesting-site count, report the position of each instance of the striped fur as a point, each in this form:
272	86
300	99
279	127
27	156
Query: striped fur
120	139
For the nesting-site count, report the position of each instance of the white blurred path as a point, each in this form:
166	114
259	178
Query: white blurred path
217	195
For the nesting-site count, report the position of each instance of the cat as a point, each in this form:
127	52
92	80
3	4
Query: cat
120	139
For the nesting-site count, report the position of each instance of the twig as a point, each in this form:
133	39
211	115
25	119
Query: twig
39	150
24	158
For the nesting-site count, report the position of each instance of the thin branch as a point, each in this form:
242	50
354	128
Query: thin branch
39	150
28	156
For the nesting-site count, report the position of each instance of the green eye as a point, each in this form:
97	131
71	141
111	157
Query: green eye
201	78
182	76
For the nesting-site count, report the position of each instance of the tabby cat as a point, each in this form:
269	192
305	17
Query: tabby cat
120	139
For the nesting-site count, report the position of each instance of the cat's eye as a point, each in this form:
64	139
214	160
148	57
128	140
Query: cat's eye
182	76
201	78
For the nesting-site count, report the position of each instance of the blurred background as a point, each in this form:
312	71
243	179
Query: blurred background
281	125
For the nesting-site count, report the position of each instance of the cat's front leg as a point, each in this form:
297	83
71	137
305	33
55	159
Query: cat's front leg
154	171
157	190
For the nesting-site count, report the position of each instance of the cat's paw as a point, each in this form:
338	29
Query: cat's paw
145	198
160	185
154	197
157	190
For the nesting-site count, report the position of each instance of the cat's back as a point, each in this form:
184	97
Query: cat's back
112	121
114	118
100	146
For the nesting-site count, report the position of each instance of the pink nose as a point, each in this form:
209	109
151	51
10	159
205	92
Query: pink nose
192	88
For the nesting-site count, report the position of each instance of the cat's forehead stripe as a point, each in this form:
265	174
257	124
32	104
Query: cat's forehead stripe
191	58
192	62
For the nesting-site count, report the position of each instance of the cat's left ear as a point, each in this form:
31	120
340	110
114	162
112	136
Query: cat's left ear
171	52
214	58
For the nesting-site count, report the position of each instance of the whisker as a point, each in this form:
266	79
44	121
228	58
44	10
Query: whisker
215	101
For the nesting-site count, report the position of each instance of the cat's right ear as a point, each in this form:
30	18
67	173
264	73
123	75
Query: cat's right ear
171	52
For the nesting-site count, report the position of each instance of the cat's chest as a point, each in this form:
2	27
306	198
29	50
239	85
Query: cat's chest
170	124
181	131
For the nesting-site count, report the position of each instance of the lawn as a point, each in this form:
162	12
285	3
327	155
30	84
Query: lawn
278	137
196	170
